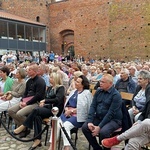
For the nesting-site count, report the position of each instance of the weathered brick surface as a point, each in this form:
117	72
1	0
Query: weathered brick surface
117	29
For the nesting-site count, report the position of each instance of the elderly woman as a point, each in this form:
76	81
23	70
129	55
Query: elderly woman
13	96
76	74
76	108
54	97
139	98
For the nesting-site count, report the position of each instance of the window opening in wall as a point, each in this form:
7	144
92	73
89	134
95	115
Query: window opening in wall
3	29
38	19
28	33
35	35
20	32
12	31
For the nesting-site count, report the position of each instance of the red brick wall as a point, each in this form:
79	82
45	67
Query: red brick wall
119	29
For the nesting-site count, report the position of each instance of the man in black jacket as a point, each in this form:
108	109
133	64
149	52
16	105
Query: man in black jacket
35	88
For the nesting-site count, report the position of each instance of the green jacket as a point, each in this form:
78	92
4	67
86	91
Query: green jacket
8	84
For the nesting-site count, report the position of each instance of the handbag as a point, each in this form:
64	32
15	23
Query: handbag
26	99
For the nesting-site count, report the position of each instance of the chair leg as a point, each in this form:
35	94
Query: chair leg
89	147
3	113
76	138
47	129
9	121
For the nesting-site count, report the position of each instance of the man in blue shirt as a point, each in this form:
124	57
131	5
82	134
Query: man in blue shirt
105	114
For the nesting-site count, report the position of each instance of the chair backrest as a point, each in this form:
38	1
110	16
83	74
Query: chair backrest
93	92
92	86
92	89
126	96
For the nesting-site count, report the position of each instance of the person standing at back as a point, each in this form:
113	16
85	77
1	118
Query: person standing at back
35	88
51	56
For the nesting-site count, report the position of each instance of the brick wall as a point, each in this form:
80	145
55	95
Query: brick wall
118	29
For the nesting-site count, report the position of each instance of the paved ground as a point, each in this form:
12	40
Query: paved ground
9	143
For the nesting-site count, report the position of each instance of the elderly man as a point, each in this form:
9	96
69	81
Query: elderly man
35	89
42	73
85	71
105	114
125	84
133	73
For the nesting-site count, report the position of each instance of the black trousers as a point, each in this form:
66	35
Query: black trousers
105	132
35	119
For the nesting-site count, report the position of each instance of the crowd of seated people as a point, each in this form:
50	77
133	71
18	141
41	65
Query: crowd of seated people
128	77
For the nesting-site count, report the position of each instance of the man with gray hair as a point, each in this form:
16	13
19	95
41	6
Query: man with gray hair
85	71
125	84
133	73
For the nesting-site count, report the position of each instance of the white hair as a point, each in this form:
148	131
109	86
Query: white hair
125	70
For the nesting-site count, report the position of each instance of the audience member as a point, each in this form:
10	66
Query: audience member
42	73
105	114
85	72
76	74
6	82
125	84
76	108
35	90
140	95
133	73
64	76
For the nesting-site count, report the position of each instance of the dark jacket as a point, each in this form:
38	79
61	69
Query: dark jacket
106	106
126	121
55	98
35	87
146	111
131	86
